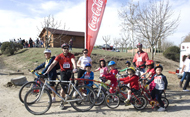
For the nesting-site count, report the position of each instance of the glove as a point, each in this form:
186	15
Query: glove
74	70
146	86
32	71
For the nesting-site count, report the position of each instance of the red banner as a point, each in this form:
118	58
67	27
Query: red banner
94	13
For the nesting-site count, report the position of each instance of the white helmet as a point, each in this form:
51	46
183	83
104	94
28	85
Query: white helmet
47	51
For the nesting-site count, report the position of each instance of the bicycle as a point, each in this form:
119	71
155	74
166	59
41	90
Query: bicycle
82	98
137	100
152	102
33	84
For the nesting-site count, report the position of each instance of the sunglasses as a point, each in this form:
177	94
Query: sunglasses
130	73
85	52
66	48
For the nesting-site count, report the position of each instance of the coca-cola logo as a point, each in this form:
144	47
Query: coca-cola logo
96	12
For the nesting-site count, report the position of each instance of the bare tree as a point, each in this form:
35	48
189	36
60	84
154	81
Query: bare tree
115	42
154	21
106	40
166	44
125	40
51	25
129	14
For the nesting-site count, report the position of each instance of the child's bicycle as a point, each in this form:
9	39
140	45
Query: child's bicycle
137	100
33	84
82	98
146	93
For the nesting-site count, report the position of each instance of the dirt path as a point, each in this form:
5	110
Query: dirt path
10	106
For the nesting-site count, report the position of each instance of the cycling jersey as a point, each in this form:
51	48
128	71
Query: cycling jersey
113	81
140	58
152	84
103	71
134	81
89	76
65	61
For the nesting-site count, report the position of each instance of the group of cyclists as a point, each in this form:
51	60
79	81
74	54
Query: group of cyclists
66	61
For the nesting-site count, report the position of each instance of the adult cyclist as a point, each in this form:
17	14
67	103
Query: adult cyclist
66	62
140	58
52	73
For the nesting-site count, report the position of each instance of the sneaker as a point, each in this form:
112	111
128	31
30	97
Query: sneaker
53	99
127	102
185	90
161	109
62	107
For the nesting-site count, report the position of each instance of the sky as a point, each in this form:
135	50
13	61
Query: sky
20	18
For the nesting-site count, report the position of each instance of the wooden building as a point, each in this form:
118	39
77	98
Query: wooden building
58	37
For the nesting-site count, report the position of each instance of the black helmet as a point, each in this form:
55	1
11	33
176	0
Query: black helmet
64	45
128	62
158	66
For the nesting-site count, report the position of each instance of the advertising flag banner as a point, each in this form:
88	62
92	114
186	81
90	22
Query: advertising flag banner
94	13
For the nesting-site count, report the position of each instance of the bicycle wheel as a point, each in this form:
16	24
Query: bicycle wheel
139	103
112	101
124	90
37	103
165	101
25	88
100	98
84	102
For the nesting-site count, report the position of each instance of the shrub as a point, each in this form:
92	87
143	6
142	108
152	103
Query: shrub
9	48
172	53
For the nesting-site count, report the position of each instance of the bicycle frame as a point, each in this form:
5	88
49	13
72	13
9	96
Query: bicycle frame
70	84
100	85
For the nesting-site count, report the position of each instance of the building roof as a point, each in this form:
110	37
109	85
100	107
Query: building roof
62	32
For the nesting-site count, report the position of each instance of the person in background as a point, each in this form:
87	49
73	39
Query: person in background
183	69
187	70
31	42
140	58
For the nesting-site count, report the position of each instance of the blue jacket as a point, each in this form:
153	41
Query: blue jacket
52	73
89	83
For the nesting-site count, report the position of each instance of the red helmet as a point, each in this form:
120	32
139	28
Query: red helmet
139	45
149	62
64	45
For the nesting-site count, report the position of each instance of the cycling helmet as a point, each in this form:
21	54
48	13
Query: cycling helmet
111	63
102	59
139	45
88	65
64	45
158	66
47	51
149	62
131	68
128	62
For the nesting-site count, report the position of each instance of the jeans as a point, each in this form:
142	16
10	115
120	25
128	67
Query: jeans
184	76
158	94
187	80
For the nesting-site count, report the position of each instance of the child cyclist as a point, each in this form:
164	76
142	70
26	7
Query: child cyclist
128	64
103	69
151	72
112	76
113	70
88	75
160	87
134	84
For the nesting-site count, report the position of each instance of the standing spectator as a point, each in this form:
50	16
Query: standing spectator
37	42
23	42
42	43
83	60
140	58
31	42
183	69
187	70
70	44
26	44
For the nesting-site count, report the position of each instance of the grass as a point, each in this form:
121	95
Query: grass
31	57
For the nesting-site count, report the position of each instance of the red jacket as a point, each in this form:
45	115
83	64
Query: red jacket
134	81
140	58
112	78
